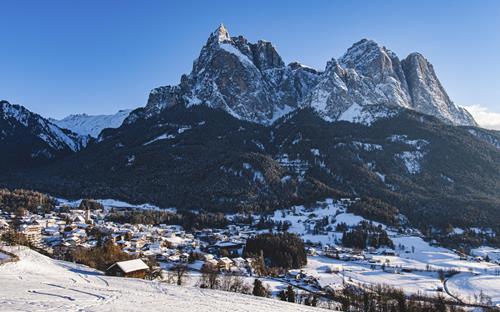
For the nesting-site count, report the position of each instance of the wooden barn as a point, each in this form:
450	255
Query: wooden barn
132	268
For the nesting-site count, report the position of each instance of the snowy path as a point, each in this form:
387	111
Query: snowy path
38	283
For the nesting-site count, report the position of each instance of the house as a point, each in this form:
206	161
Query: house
389	252
132	268
184	257
211	263
3	225
240	262
32	233
294	274
228	248
79	219
225	263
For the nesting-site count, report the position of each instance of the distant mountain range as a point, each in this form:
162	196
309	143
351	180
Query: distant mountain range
245	132
91	125
27	138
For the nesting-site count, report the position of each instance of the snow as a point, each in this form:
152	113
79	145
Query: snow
233	50
112	203
363	274
419	144
381	176
164	136
130	160
365	115
411	160
368	147
61	136
302	220
320	103
132	265
315	152
468	287
280	112
257	175
483	251
352	114
16	112
92	125
38	283
420	258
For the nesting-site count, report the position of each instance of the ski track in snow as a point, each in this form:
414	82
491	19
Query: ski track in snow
53	285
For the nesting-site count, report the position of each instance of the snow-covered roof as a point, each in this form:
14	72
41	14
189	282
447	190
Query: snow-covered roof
225	260
131	265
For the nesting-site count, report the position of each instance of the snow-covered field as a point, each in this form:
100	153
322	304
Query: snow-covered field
361	274
38	283
468	287
113	203
421	260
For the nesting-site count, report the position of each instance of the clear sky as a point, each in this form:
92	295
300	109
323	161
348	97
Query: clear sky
98	56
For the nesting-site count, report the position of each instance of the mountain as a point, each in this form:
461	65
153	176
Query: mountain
196	157
250	81
27	138
244	132
84	124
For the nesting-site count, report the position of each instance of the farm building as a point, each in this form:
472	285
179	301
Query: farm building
131	268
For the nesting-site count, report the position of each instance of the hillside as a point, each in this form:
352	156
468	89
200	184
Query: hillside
27	138
38	283
201	158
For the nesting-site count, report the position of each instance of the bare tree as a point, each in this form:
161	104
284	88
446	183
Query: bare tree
210	276
179	272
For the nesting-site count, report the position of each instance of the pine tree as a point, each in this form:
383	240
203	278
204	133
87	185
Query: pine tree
290	294
258	289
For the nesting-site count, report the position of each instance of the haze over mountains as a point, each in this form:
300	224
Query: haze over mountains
245	132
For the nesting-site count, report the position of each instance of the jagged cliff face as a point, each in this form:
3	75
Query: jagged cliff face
251	82
368	74
428	95
248	80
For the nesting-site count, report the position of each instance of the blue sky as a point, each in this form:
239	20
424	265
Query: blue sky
62	57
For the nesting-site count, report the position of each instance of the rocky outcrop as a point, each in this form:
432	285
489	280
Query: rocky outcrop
428	95
251	82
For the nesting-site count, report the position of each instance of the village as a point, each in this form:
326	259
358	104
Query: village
330	265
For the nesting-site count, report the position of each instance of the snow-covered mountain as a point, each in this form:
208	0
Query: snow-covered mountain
251	82
91	125
25	135
248	80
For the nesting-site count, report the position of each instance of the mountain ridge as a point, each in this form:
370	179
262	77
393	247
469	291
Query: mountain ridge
28	138
91	125
252	82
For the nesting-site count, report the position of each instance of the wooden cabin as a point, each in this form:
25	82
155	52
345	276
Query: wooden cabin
132	268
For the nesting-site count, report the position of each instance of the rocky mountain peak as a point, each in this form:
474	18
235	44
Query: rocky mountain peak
17	124
220	35
250	81
427	93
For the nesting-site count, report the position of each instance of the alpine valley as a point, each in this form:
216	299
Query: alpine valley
244	132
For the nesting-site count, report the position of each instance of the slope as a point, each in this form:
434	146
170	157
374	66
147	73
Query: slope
38	283
201	158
